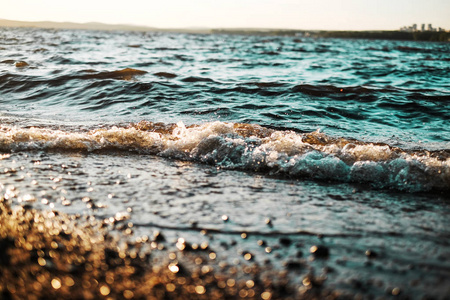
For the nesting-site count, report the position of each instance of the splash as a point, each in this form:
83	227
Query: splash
251	148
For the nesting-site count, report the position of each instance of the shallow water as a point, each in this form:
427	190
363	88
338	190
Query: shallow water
407	234
294	141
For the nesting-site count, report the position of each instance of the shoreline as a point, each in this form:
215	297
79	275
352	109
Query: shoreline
77	246
425	36
68	233
47	254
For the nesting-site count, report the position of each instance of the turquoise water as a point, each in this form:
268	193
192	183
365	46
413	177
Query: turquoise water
349	94
386	91
293	140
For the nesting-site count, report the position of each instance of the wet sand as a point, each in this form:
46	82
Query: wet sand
117	226
50	255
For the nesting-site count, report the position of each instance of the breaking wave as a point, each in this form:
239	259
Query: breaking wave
250	147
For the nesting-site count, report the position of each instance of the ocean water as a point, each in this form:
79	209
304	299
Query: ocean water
343	143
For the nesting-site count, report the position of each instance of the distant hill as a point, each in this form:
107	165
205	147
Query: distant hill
377	35
70	25
92	26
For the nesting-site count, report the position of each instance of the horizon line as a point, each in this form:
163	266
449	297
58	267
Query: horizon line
121	26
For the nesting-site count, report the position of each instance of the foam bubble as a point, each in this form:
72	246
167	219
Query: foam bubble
250	147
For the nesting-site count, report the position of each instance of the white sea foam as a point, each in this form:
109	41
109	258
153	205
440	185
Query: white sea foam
227	145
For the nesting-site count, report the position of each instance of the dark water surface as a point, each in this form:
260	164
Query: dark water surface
293	141
396	92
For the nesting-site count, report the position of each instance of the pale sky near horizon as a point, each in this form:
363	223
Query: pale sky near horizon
295	14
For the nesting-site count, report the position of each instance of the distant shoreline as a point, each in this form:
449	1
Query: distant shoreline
347	34
96	26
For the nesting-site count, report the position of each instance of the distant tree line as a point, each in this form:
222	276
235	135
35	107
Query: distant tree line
389	35
432	36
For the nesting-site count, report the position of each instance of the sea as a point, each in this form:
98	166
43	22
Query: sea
256	144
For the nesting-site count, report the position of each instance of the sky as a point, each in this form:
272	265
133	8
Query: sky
289	14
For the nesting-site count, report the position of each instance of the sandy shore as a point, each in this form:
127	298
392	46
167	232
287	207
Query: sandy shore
50	255
120	226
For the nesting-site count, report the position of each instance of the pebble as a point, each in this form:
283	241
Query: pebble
293	265
158	237
319	251
285	241
371	254
112	268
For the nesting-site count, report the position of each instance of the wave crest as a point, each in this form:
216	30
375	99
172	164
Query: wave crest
253	148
